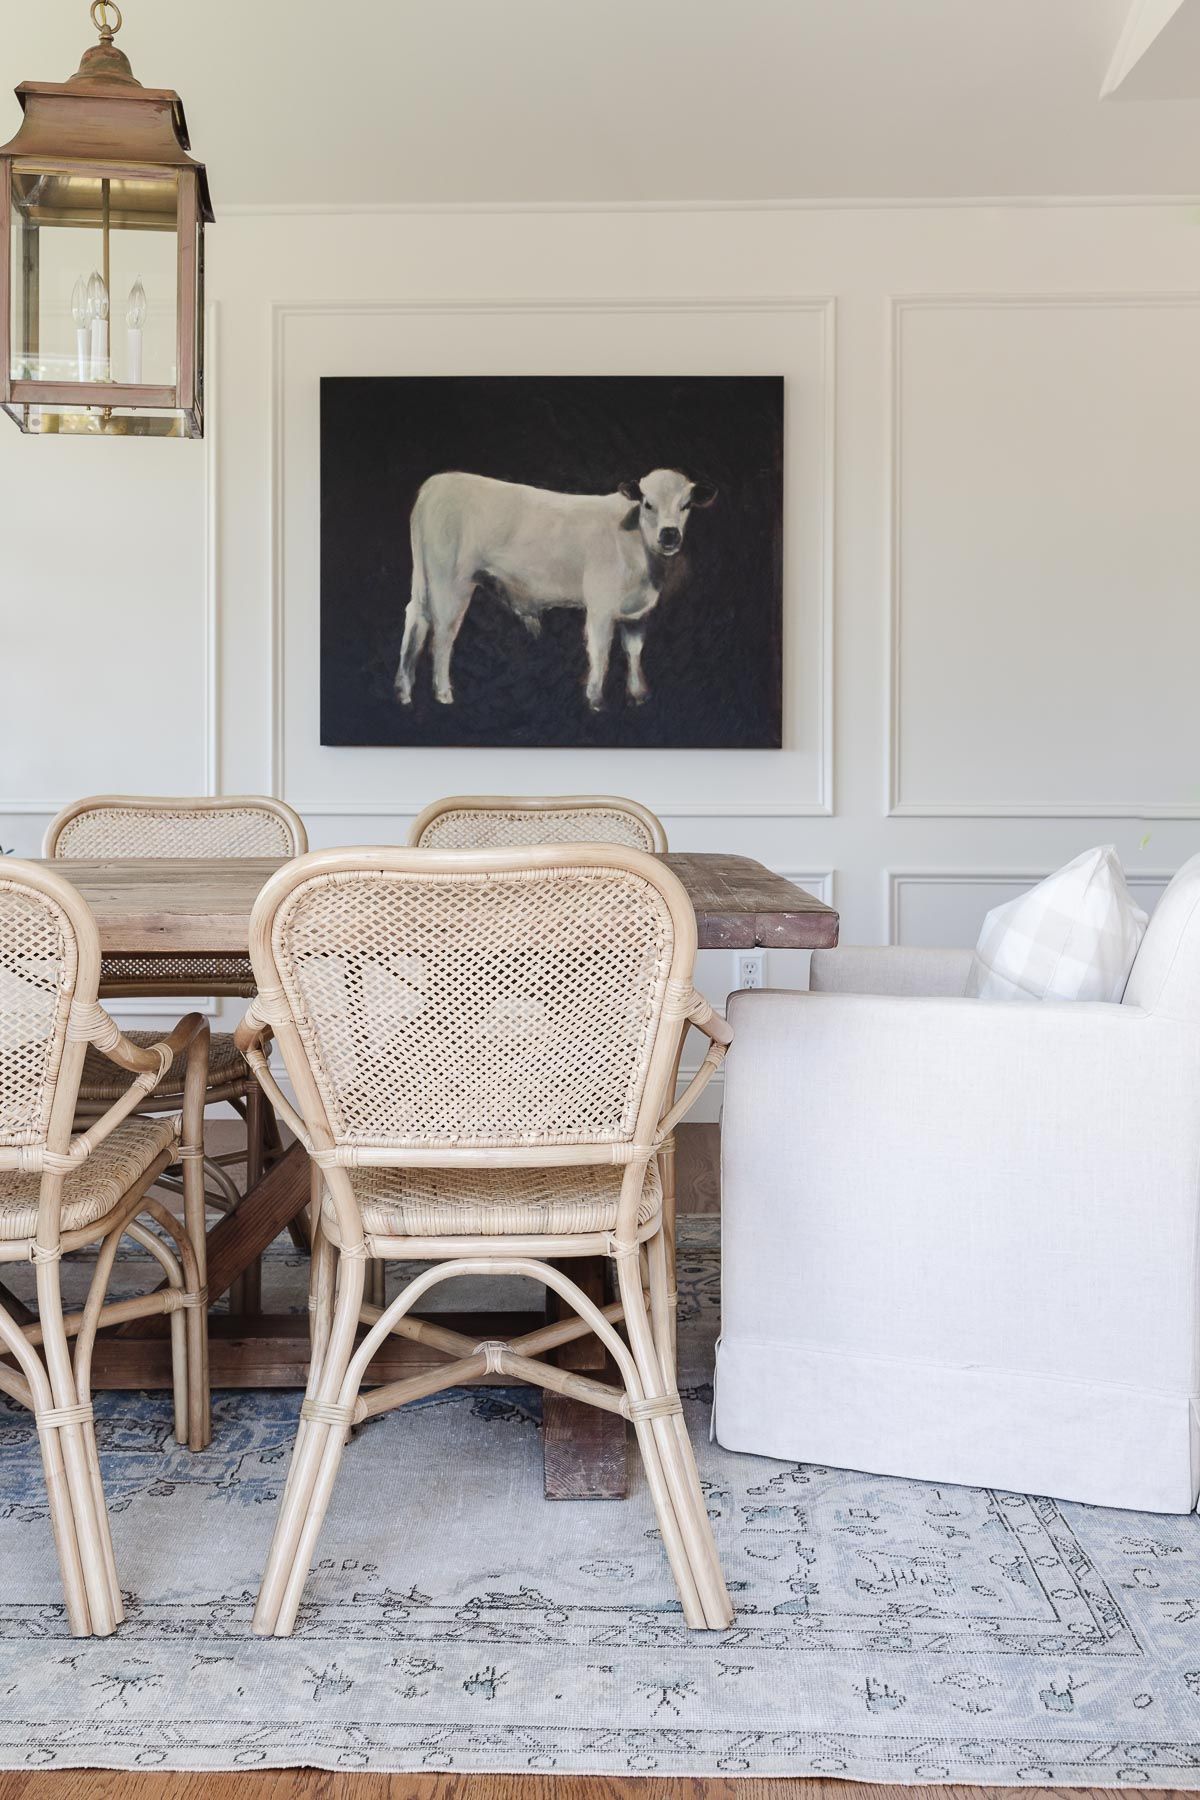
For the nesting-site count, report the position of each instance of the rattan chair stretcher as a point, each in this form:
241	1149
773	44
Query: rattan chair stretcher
61	1192
483	1046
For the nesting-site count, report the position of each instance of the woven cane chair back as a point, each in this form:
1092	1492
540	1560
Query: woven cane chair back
478	1000
49	956
178	829
126	825
498	821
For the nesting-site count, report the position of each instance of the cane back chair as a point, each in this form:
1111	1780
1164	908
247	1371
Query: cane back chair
124	825
493	821
482	1045
506	821
60	1192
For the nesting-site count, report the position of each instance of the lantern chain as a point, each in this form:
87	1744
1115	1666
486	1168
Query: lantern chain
100	10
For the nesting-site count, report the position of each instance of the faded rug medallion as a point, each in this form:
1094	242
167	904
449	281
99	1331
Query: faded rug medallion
886	1631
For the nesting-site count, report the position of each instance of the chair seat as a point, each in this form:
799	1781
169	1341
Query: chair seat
104	1081
462	1202
92	1190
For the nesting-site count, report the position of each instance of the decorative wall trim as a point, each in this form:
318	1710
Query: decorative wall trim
895	880
853	203
212	549
409	808
823	306
898	306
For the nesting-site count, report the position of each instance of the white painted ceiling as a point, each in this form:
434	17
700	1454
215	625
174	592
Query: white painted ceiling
301	101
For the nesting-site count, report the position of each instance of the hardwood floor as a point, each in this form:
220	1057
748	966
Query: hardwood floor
698	1168
311	1784
699	1180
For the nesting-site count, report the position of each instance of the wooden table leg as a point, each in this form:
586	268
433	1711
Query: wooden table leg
585	1449
241	1236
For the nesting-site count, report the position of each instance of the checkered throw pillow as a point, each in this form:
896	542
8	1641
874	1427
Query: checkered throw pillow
1073	937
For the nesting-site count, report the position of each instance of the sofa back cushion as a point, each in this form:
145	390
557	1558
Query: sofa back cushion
1166	973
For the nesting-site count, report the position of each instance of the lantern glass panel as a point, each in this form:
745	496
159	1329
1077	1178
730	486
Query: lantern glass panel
69	226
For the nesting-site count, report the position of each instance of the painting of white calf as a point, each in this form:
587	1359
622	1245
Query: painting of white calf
590	561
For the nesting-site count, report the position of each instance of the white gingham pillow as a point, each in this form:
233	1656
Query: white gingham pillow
1073	937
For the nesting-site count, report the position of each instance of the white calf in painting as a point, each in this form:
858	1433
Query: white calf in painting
607	554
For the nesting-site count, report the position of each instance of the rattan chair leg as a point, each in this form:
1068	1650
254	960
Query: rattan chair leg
91	1522
62	1515
323	1268
245	1296
82	1366
66	1538
303	1506
153	1244
678	1462
194	1324
666	1166
196	1267
662	1312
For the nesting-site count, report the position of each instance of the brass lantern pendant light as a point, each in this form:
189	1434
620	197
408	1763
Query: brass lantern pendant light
102	216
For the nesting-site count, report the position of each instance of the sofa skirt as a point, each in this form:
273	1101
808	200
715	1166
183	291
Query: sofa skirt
1100	1443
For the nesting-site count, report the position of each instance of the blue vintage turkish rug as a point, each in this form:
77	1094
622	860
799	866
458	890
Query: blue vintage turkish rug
886	1631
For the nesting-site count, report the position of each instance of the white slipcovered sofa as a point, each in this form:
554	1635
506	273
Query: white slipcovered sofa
961	1238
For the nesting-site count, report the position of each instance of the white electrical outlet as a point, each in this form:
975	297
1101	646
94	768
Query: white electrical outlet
750	969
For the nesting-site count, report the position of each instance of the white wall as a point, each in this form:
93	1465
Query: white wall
993	420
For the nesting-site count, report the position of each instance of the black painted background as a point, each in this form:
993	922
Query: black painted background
713	657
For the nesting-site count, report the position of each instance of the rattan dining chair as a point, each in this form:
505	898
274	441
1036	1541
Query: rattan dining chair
482	1045
60	1193
127	825
504	821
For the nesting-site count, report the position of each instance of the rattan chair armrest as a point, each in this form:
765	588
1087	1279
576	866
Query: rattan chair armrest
150	1063
250	1037
252	1030
700	1014
145	1059
708	1020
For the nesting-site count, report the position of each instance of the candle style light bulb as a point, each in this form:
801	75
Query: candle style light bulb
135	318
81	312
135	311
97	294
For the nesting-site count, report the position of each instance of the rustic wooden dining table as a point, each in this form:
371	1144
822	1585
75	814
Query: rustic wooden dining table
162	924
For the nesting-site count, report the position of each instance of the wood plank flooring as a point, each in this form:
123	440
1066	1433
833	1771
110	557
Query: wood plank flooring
311	1784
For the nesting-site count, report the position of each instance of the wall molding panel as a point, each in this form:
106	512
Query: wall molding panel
899	881
900	307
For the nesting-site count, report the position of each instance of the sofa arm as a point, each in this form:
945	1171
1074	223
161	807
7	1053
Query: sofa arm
894	969
906	1163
